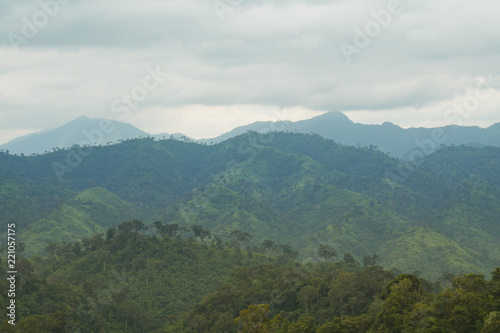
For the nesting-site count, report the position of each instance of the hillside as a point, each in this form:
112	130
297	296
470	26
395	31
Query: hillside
129	281
296	189
388	137
90	212
82	131
123	282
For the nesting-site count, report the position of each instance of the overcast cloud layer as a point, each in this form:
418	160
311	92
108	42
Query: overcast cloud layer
202	67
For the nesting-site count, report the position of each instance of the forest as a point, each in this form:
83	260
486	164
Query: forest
173	279
281	232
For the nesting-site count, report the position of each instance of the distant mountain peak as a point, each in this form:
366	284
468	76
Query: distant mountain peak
81	118
388	123
84	120
77	131
334	115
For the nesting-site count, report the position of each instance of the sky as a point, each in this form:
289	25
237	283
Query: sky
203	67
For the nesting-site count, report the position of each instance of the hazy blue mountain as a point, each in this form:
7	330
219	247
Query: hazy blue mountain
82	131
389	138
259	126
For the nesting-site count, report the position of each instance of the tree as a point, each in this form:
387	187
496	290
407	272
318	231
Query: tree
110	233
461	311
287	252
304	325
160	228
307	295
125	228
494	287
239	237
205	234
103	257
224	323
334	326
401	296
445	278
52	249
369	260
139	225
268	245
172	229
349	259
127	309
360	324
197	230
255	319
420	318
492	323
77	249
326	252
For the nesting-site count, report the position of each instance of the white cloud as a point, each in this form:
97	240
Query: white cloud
202	121
267	54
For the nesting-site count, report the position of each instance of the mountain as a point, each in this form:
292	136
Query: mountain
82	131
387	137
408	143
90	212
300	190
259	127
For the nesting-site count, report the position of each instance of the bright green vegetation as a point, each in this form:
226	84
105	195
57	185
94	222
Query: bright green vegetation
439	215
90	212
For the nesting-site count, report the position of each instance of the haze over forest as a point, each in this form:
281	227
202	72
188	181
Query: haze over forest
224	166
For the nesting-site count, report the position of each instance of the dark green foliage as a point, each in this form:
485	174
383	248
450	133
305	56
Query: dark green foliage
293	189
293	292
128	282
274	299
326	251
132	282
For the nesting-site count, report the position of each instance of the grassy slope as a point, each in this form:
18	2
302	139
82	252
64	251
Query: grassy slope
431	253
90	212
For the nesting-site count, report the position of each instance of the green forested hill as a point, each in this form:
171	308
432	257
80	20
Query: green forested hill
90	212
125	281
128	281
438	214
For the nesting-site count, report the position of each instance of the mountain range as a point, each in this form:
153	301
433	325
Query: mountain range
297	189
388	137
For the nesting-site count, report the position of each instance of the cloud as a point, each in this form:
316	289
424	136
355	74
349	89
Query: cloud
268	55
202	121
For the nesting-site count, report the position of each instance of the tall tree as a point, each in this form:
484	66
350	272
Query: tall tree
326	252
